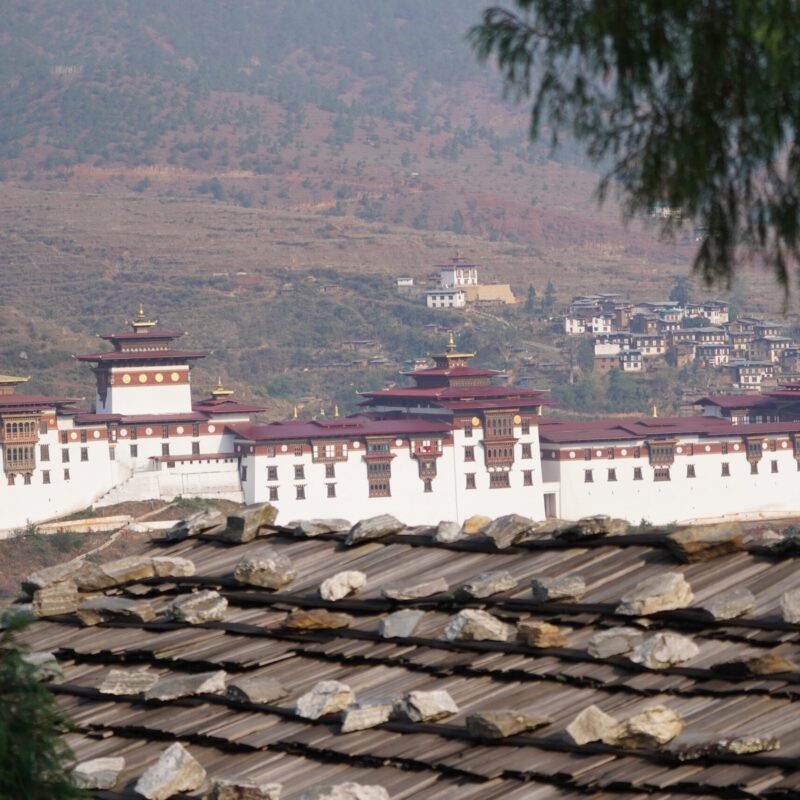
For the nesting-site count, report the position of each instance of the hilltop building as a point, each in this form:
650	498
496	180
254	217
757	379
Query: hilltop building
459	287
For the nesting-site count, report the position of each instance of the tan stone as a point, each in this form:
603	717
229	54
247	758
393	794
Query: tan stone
535	633
474	524
56	599
317	619
704	542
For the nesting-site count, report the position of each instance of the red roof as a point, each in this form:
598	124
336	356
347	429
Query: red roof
132	335
14	402
223	405
733	400
454	372
338	428
139	419
457	392
143	355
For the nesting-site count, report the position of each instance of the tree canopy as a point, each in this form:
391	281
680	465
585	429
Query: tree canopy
690	103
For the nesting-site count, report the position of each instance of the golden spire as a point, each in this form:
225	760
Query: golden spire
336	410
294	413
451	342
654	411
141	322
220	390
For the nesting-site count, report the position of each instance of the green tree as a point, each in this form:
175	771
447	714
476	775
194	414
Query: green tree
680	292
692	103
585	355
530	302
549	298
34	760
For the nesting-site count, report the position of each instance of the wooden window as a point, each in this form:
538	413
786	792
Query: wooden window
526	451
468	430
195	448
499	426
45	476
195	429
11	478
378	476
471	479
774	465
724	448
610	452
499	480
165	431
427	485
375	448
726	469
301	492
271	452
662	453
165	449
64	437
690	471
754	467
331	489
587	476
637	452
273	493
587	454
44	452
469	453
84	453
330	472
134	451
526	427
612	475
637	473
299	472
83	437
27	479
661	474
272	473
134	432
298	449
66	474
527	477
42	426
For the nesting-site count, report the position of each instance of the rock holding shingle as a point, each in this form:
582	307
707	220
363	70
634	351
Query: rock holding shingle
474	625
175	771
243	526
174	686
314	527
367	715
790	606
198	607
663	592
172	567
208	520
46	668
400	624
266	568
317	619
327	697
345	791
591	528
536	633
732	604
564	589
128	681
507	530
475	524
503	723
650	729
697	746
487	584
55	574
747	745
614	642
754	666
662	650
56	599
342	584
593	725
415	591
421	706
704	542
96	577
98	773
447	531
258	689
228	789
114	609
373	528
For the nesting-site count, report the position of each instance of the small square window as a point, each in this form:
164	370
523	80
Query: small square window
690	471
587	476
299	472
272	473
165	431
134	451
330	472
27	479
165	449
526	451
428	485
65	455
526	427
587	454
331	490
468	430
44	452
724	448
273	493
754	467
45	476
637	473
527	477
612	475
83	437
661	474
469	453
66	474
298	449
195	429
64	437
726	469
112	453
195	448
42	426
301	492
774	466
84	453
471	480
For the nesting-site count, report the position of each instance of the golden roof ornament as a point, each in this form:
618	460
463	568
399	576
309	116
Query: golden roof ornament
336	410
141	322
654	410
294	413
451	342
220	390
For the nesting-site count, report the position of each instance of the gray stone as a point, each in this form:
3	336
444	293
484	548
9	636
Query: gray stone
697	746
790	606
507	530
173	686
614	642
732	604
416	591
208	519
95	577
592	527
113	609
663	592
473	625
128	681
50	575
662	650
175	771
373	528
447	532
342	584
317	619
746	745
225	789
367	715
502	723
593	725
400	624
258	689
98	773
345	791
56	599
266	568
536	633
327	697
172	567
245	525
198	607
565	589
704	542
650	729
487	584
754	666
314	527
46	668
420	706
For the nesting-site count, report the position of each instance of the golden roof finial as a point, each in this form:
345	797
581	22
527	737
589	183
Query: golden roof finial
220	390
654	410
451	342
294	413
141	322
336	410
